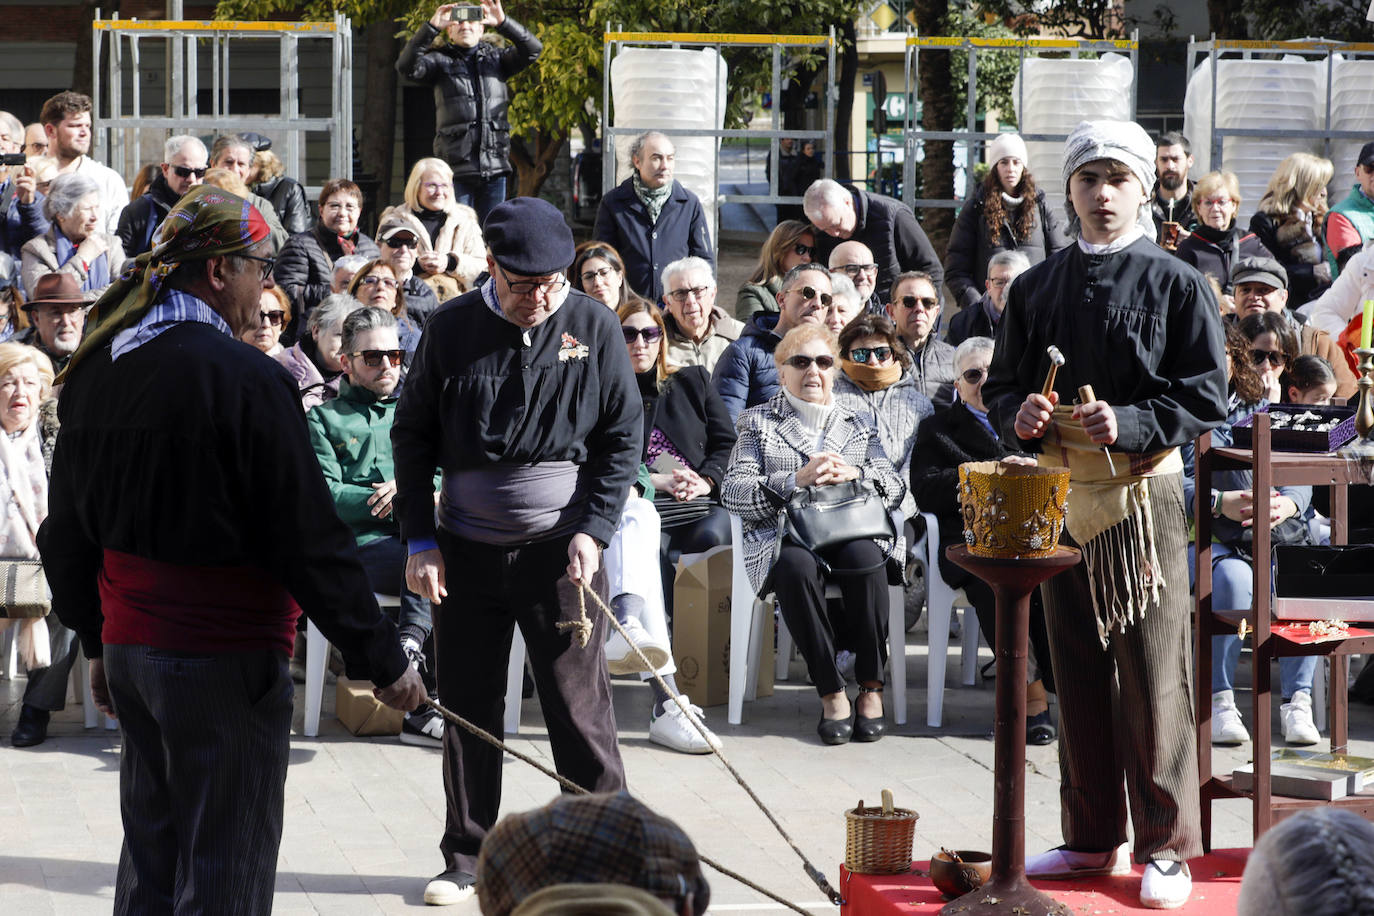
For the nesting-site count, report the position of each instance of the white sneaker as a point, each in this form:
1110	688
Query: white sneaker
450	887
673	730
1065	863
1166	885
1296	715
621	659
1227	728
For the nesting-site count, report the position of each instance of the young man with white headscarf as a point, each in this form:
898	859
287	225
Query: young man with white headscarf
1118	621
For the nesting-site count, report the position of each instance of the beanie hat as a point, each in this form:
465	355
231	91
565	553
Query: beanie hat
1007	145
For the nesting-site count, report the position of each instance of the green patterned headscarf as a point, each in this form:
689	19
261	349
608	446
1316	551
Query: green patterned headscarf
206	223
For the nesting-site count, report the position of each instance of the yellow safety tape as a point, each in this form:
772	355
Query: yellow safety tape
1048	43
207	25
726	38
1245	45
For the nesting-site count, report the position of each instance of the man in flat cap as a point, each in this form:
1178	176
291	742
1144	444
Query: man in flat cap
521	394
188	526
1143	329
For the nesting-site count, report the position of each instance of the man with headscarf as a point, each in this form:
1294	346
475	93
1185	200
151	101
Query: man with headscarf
185	580
1143	329
521	394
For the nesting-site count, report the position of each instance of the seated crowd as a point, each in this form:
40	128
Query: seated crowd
843	364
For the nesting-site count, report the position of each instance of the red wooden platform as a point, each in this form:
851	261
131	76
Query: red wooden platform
1216	886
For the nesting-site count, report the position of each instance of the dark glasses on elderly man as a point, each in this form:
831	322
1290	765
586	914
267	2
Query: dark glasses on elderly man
925	302
808	293
868	354
804	362
186	171
650	334
402	241
373	358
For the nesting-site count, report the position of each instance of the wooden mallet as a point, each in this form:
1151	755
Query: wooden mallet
1085	394
1056	360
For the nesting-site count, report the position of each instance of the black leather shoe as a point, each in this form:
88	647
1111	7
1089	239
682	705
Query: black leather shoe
866	729
32	727
1040	729
835	731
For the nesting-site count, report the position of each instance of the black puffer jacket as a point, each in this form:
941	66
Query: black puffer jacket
305	267
889	229
971	245
140	219
288	198
472	134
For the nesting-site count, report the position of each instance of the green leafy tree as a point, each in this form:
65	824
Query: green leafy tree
1339	20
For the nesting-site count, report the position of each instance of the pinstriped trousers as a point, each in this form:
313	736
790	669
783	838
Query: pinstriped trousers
202	777
1126	712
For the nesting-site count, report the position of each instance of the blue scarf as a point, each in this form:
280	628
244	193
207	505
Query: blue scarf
97	277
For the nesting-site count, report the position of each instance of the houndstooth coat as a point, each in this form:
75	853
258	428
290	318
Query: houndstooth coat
771	448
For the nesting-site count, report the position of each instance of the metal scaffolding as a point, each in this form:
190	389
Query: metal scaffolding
972	131
1247	50
116	132
615	41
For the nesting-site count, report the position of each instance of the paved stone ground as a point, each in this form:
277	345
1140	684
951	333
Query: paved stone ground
363	816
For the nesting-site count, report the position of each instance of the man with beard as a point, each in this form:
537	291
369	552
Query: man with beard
1172	201
66	119
57	316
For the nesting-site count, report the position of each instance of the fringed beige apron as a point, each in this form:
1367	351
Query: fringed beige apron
1110	518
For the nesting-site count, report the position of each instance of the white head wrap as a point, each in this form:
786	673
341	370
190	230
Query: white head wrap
1127	143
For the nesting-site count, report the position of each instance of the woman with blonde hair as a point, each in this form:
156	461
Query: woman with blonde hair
1289	221
457	255
1217	242
791	242
28	420
286	195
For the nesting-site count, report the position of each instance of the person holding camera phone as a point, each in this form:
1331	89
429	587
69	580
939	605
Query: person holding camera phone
470	93
21	206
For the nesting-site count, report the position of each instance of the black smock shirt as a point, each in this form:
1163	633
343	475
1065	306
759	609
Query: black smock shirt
1139	325
478	395
192	450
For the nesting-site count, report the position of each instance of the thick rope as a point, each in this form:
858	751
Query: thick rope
573	787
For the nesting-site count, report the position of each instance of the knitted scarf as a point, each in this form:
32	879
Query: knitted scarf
653	198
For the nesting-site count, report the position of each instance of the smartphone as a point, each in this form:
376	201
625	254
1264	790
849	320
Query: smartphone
465	14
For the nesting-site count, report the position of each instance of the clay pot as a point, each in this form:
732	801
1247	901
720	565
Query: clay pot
955	879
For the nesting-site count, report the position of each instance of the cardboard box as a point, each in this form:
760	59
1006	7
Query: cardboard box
701	629
361	713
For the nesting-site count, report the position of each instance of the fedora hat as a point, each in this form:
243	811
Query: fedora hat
57	289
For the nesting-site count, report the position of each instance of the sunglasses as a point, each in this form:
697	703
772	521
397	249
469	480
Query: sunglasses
974	376
274	317
650	334
1272	357
403	241
867	354
804	362
186	171
373	358
388	282
807	294
929	303
807	250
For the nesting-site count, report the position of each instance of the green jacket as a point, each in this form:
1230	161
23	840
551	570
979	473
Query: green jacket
1359	210
351	435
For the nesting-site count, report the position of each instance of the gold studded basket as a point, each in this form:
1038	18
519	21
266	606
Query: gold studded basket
878	841
1012	510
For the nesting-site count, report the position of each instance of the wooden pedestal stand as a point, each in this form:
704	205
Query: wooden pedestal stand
1011	581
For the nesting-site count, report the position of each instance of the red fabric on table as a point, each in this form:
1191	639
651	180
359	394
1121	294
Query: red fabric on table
1216	887
193	608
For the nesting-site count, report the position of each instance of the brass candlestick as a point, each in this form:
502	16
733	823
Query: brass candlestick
1364	413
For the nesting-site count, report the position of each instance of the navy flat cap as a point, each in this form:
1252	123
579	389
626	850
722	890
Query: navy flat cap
528	236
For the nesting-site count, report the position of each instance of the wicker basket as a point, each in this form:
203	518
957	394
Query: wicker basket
877	841
1012	510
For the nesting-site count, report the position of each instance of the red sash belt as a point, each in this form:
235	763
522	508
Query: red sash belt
194	608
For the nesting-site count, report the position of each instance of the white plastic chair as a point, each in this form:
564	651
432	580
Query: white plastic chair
317	659
940	603
746	635
81	688
9	652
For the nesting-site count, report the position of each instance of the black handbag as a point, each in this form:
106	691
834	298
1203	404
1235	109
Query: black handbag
818	518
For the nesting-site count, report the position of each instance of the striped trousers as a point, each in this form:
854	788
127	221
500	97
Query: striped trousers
1126	725
202	778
